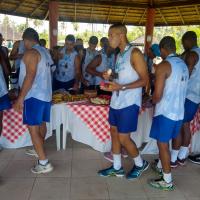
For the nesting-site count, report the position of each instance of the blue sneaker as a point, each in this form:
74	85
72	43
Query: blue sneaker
137	171
112	172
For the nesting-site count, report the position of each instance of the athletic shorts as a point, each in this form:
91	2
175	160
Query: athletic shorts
36	112
125	119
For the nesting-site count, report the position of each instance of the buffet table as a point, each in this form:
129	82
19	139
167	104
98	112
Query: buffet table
87	123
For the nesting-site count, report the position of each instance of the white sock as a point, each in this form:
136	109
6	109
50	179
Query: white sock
138	161
43	162
159	164
167	177
117	163
183	152
174	155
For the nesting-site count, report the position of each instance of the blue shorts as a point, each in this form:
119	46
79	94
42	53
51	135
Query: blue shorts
190	110
125	119
164	129
36	111
63	85
5	103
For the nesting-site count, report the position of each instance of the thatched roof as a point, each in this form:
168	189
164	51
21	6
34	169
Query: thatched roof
168	12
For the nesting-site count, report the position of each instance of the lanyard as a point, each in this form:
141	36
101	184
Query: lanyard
121	55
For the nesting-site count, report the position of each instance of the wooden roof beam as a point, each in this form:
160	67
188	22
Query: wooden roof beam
107	3
75	11
46	15
197	10
181	17
142	16
109	14
91	13
124	18
18	6
163	18
38	7
1	2
177	3
136	5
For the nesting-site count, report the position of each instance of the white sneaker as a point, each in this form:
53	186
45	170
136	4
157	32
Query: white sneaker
42	169
31	152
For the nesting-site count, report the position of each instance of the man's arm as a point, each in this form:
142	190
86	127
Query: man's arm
91	67
31	58
139	65
77	64
163	71
191	59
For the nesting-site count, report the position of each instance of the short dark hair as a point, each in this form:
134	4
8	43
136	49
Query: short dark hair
104	40
79	39
43	41
168	43
70	38
31	34
120	26
190	35
93	40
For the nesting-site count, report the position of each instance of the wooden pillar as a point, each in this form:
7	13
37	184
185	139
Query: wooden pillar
53	23
149	28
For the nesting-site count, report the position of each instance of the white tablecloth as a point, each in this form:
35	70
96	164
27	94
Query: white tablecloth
22	141
61	114
81	133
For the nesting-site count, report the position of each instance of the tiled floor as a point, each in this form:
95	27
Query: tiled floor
75	178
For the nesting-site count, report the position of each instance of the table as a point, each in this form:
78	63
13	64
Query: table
67	115
14	133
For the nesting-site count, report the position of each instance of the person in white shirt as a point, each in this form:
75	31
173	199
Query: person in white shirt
171	78
180	145
131	76
68	72
35	95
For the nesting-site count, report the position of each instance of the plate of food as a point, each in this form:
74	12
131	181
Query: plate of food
100	100
74	98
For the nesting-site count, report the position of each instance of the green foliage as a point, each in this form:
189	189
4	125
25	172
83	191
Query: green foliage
176	32
21	27
45	35
37	23
6	21
135	33
75	26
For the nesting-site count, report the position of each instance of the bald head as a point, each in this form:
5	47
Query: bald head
119	27
117	35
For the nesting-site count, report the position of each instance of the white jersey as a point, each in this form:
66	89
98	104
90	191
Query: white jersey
41	88
89	56
21	50
126	74
193	90
3	86
172	103
106	63
66	66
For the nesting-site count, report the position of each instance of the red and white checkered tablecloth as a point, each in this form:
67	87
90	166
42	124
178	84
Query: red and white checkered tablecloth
95	117
13	126
195	123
